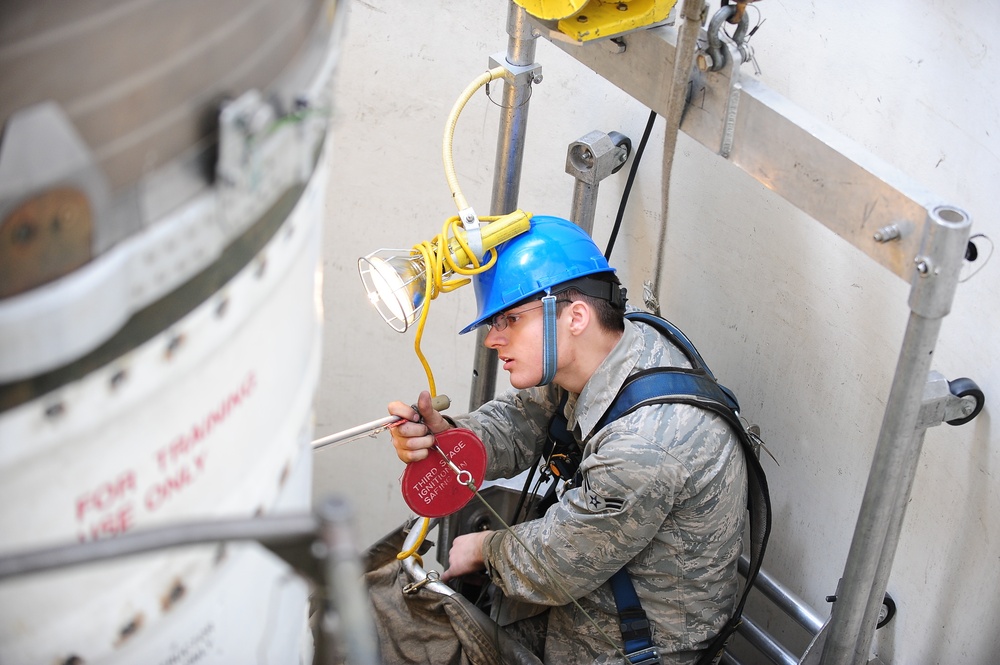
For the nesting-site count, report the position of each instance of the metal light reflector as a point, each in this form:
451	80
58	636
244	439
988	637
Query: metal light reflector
395	282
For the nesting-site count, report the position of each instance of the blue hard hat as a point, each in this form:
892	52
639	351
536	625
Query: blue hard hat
551	252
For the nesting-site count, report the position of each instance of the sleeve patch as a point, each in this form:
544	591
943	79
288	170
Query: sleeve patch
599	504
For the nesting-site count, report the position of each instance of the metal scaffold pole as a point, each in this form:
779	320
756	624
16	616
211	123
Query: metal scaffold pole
507	172
897	453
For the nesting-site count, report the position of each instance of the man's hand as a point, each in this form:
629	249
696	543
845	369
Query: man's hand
465	555
412	439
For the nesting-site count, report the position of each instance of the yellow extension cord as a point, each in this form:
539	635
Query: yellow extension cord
437	255
450	252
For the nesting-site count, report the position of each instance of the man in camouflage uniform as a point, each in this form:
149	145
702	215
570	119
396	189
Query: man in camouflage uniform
663	490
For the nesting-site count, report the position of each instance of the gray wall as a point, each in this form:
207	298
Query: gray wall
803	326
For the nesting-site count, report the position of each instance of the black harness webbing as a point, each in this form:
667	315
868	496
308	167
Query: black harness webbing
673	385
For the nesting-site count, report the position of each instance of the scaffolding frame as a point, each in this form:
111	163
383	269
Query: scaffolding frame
903	227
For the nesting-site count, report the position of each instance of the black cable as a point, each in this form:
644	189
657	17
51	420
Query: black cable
628	185
516	517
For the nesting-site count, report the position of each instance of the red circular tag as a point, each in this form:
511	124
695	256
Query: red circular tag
431	488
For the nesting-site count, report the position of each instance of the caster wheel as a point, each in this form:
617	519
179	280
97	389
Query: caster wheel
887	612
966	388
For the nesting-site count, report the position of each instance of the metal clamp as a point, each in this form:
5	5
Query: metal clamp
590	159
596	155
517	74
473	232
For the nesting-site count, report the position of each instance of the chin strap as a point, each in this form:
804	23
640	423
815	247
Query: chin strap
549	355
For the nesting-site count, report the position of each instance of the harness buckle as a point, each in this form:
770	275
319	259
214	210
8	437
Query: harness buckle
634	626
637	638
647	656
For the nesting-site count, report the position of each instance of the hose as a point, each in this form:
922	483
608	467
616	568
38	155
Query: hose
449	132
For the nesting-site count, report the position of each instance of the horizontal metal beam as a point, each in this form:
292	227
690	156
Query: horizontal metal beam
765	643
783	598
824	174
268	530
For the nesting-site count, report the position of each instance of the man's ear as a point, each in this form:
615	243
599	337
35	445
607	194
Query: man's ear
579	316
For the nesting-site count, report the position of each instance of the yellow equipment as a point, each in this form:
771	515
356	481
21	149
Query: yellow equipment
585	20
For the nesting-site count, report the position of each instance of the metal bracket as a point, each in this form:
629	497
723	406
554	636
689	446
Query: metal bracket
940	405
596	155
473	231
517	74
725	58
948	402
590	159
732	108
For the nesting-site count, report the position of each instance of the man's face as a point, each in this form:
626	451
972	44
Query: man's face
516	335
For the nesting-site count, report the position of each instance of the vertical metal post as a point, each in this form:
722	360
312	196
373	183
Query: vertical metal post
348	624
507	175
583	208
590	159
876	535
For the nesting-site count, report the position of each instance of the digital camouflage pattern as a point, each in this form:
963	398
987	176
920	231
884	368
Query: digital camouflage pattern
664	491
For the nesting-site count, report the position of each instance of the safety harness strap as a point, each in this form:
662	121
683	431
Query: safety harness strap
680	385
676	337
673	386
697	387
549	351
637	636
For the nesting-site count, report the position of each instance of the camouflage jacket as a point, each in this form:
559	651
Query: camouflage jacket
663	493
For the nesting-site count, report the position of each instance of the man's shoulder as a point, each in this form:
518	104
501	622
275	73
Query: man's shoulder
657	350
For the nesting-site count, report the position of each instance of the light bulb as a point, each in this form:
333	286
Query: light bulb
395	282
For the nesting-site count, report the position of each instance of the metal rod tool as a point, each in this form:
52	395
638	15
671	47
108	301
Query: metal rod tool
440	403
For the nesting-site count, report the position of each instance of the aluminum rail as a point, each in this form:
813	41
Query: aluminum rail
766	644
351	621
868	203
778	144
415	570
784	599
266	530
897	454
304	541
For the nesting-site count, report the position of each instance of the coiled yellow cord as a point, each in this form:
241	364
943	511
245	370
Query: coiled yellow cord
439	261
424	527
439	253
